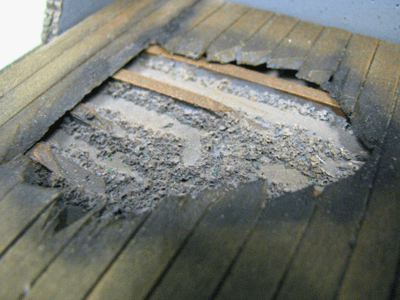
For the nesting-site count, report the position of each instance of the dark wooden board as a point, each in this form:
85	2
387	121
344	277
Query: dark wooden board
31	123
293	49
11	174
25	93
318	265
19	209
26	67
200	12
145	258
77	269
194	43
36	249
224	48
261	265
214	244
324	55
259	47
375	103
372	268
351	72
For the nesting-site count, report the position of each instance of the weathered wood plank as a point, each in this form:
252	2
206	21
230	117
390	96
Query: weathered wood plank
32	254
351	72
200	11
375	103
372	268
293	49
76	270
11	174
317	268
324	55
46	77
225	47
18	134
214	244
19	208
44	55
194	43
263	262
260	46
145	258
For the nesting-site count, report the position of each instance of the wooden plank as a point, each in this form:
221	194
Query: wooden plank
194	43
170	90
201	11
293	49
11	174
22	131
259	47
145	258
33	87
225	47
374	106
324	55
20	71
372	268
19	209
318	265
351	72
262	264
37	248
76	270
214	244
264	79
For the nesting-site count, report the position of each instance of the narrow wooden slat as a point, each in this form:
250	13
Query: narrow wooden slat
324	56
33	87
201	11
87	256
372	268
374	105
20	71
264	79
19	208
18	134
259	47
145	258
194	43
11	174
317	268
293	49
262	264
204	259
352	70
32	254
225	47
169	90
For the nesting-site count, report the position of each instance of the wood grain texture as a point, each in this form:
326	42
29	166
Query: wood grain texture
260	46
11	174
146	257
30	64
372	268
31	123
194	43
292	51
324	56
349	76
265	258
225	47
375	103
20	208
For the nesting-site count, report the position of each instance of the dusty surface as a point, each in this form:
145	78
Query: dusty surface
153	147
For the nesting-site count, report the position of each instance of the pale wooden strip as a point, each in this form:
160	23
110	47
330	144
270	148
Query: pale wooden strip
169	90
21	70
264	79
47	76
